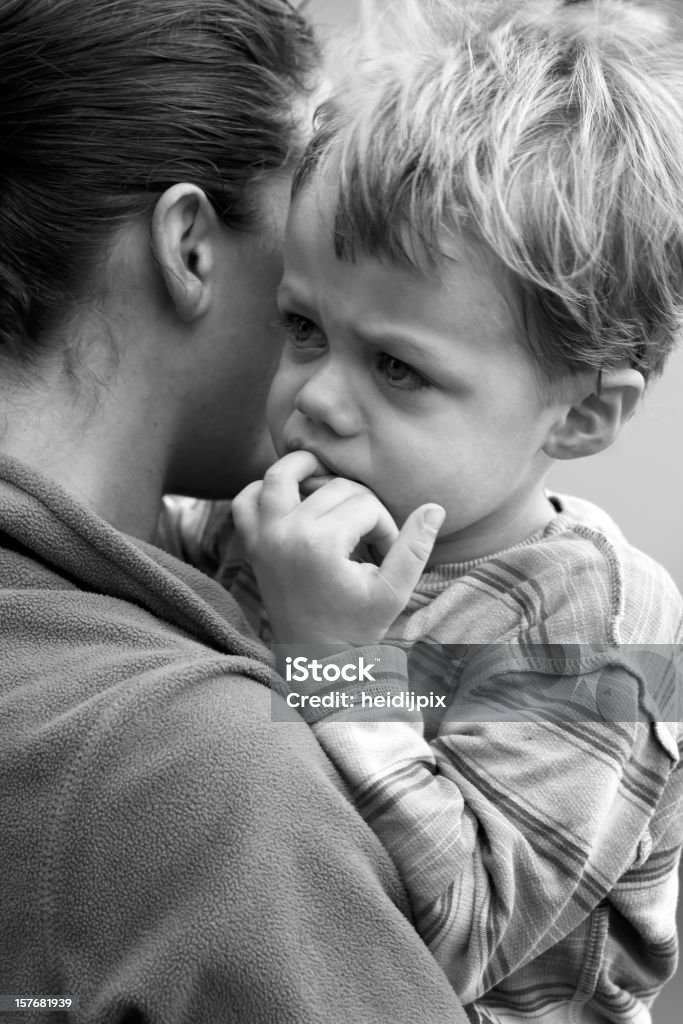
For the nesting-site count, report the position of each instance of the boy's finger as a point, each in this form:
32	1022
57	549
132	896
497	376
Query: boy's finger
407	557
335	492
280	493
246	513
361	516
313	484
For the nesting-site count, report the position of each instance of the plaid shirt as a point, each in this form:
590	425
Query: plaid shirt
537	822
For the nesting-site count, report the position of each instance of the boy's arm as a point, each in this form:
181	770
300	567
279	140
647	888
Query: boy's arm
200	533
508	833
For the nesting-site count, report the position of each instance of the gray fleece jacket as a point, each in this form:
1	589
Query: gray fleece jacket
168	853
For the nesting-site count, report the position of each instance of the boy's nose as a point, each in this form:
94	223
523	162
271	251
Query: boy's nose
327	398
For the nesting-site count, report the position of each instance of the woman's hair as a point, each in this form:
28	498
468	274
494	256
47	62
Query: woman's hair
550	131
106	103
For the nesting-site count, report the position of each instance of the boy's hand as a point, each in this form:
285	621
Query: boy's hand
301	553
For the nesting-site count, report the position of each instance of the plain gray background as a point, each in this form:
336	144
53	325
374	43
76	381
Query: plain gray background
638	481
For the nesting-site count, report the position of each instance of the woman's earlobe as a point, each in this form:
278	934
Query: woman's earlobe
593	422
183	230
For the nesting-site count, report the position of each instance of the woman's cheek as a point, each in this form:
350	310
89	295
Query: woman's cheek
278	408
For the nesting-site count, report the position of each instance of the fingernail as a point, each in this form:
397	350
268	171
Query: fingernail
433	517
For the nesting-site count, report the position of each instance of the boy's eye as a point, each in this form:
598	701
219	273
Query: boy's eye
398	374
302	332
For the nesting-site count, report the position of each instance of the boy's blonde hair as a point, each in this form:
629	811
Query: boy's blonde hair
553	132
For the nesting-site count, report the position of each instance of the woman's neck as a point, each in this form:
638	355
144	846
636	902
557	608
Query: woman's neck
106	452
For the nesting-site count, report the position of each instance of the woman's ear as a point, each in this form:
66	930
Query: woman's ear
594	421
184	226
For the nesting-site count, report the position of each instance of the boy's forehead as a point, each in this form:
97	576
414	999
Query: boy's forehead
312	209
313	218
314	222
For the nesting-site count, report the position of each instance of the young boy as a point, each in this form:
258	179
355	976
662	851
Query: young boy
483	268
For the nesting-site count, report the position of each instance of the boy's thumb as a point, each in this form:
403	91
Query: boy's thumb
408	555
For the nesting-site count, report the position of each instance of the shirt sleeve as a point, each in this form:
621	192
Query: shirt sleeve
515	815
202	534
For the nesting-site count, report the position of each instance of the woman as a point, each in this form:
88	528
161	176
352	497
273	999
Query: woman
168	854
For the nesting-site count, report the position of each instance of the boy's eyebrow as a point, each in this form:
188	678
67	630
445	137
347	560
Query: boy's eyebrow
377	336
395	335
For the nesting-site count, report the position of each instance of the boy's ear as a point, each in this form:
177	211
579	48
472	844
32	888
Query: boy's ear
593	422
184	226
